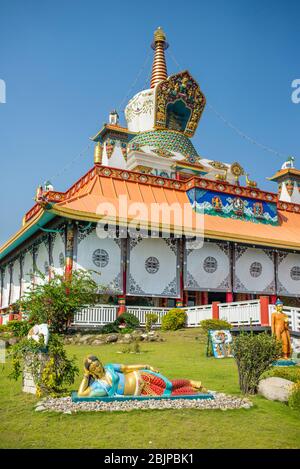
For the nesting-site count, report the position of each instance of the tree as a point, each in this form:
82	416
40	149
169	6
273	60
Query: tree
55	301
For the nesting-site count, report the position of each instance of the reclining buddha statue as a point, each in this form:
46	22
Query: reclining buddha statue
131	380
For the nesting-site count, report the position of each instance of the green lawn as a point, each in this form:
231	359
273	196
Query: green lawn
266	425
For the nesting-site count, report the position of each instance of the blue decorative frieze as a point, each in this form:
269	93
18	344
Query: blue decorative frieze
233	206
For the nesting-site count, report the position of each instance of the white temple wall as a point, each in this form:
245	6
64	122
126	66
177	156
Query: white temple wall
15	281
42	260
104	257
288	273
208	268
254	270
116	159
153	267
140	111
6	287
27	271
58	253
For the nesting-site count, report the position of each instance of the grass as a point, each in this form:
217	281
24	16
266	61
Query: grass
266	425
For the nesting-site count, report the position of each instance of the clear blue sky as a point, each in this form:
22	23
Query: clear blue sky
67	63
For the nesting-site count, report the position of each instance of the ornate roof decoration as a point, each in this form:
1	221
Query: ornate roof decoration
179	104
159	68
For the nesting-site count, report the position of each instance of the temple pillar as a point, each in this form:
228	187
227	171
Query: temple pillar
264	310
215	309
204	298
122	304
1	319
229	297
273	299
69	251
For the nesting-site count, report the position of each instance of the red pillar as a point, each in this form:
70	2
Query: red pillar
204	299
1	319
273	299
264	310
122	298
229	297
69	251
215	309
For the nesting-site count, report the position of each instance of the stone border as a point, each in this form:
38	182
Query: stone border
221	401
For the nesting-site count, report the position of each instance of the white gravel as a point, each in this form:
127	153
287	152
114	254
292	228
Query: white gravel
65	404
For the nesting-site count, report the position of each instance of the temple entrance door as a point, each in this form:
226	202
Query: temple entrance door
216	296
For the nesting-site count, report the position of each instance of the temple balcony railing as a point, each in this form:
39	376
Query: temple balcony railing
97	315
293	314
241	313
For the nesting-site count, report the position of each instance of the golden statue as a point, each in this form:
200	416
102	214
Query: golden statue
280	328
131	380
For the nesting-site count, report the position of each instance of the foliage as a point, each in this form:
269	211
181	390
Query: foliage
151	319
18	328
214	325
294	398
130	321
3	328
57	300
173	320
292	373
52	375
254	354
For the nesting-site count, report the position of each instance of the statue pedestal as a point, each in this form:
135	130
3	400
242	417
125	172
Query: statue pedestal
199	395
28	383
284	362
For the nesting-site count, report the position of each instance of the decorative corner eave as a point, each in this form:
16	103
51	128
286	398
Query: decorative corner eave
109	128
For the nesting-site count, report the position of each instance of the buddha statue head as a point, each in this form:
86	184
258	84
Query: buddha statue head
279	305
93	365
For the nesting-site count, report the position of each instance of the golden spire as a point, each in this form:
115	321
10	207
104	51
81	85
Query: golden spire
159	68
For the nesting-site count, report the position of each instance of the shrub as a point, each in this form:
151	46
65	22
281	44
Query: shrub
254	354
151	319
173	320
214	324
130	320
3	328
18	328
294	398
51	377
58	299
292	373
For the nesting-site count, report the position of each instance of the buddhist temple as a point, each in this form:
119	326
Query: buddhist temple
155	222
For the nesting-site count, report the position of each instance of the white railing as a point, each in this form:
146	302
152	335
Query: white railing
97	315
241	313
293	314
141	311
5	319
195	314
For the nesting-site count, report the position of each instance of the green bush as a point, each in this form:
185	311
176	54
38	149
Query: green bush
294	399
18	328
130	321
214	324
55	375
3	328
254	354
173	320
151	319
292	373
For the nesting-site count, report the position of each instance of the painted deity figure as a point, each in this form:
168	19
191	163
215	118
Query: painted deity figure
280	328
131	380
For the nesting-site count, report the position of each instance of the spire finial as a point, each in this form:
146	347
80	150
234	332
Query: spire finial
159	68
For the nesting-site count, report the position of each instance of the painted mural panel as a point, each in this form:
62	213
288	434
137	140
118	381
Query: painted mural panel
15	281
42	260
231	206
288	274
27	270
153	267
254	270
6	287
207	268
58	252
102	256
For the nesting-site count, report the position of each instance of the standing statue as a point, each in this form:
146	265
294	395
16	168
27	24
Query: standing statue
280	328
131	380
